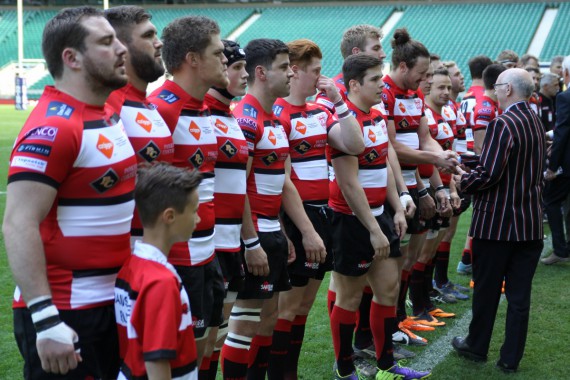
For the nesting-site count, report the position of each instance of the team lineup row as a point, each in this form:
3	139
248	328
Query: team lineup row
364	182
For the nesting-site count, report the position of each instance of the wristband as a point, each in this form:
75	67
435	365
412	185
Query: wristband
423	193
405	197
341	109
439	188
251	244
404	193
44	314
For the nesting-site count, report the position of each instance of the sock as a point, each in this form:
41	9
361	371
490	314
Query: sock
295	344
235	353
383	323
362	334
331	298
214	359
428	284
258	357
342	328
416	287
466	257
404	282
204	371
279	349
442	264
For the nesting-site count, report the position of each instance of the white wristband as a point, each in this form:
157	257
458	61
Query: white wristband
404	199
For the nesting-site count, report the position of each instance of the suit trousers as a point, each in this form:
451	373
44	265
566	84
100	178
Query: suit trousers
493	261
555	193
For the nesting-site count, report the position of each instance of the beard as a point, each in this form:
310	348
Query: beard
103	78
146	67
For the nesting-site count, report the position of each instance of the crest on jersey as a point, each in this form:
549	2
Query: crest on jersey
195	130
105	146
372	155
168	96
106	181
270	158
446	145
303	147
197	159
59	109
150	152
143	121
418	102
301	128
403	124
221	126
271	137
228	149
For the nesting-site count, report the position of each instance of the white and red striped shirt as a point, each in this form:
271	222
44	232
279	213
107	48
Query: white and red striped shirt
442	132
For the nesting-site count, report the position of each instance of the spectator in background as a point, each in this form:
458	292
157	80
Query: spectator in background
549	87
556	68
529	60
509	59
558	184
534	99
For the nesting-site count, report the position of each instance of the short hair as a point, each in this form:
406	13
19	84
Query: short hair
355	66
491	73
532	69
405	49
161	185
549	78
522	84
449	64
262	52
123	18
63	31
527	57
441	71
302	51
556	60
566	65
184	35
477	65
434	57
356	36
507	56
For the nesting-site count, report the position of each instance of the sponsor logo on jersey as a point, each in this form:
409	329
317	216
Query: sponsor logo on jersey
271	137
168	96
372	135
246	122
42	133
301	128
105	146
372	155
446	113
402	107
195	130
197	159
249	110
486	111
142	120
277	110
322	118
43	150
446	145
59	109
266	287
221	126
303	147
150	152
228	149
270	158
106	181
419	104
364	265
486	103
403	124
29	163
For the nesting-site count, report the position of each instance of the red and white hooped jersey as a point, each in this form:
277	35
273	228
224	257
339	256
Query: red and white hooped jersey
306	127
442	132
467	105
148	133
485	110
230	185
372	169
269	147
153	316
195	146
455	117
84	153
405	108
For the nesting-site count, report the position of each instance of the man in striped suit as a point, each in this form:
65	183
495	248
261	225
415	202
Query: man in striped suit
507	220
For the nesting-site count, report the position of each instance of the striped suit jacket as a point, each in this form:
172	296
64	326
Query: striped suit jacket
508	182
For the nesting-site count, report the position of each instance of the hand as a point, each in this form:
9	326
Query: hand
549	175
443	206
291	256
327	85
408	204
56	349
380	244
457	179
314	247
256	261
447	161
455	200
427	207
400	223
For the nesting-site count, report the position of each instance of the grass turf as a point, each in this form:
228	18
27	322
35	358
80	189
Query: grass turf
549	329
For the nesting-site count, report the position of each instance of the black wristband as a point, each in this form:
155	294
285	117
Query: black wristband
439	188
404	193
422	193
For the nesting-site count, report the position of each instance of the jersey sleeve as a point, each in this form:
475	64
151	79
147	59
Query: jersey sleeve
251	132
323	100
389	103
482	117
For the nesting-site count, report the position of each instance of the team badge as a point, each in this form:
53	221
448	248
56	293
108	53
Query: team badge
59	109
270	158
197	159
303	147
168	96
403	124
228	149
150	152
105	182
372	155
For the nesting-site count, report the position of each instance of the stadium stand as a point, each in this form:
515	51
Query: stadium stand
558	40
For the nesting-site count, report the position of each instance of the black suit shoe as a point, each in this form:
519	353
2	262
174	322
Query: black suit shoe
463	349
505	367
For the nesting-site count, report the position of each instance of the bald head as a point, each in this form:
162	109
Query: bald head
520	87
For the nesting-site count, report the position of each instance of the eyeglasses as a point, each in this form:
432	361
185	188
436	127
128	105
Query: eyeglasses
498	84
